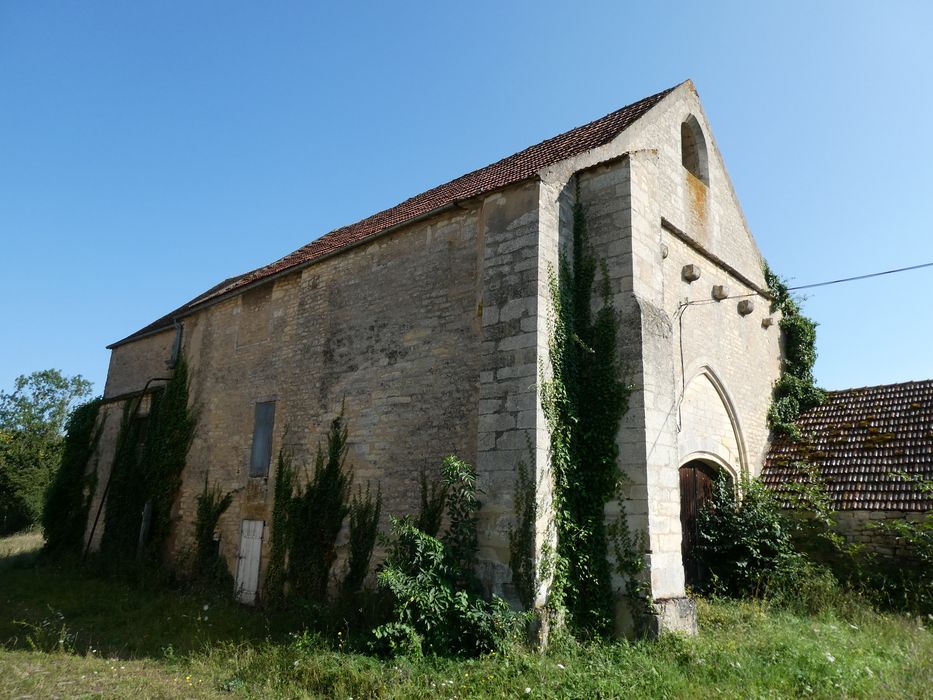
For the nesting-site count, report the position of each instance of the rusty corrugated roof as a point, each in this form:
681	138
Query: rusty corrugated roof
859	439
520	166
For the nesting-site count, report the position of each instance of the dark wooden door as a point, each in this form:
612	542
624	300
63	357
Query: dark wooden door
696	488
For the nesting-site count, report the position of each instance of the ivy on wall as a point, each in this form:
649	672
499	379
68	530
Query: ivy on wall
795	391
307	519
522	555
68	499
584	402
146	473
209	566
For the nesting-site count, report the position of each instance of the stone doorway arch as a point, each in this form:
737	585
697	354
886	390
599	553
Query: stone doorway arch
710	442
697	478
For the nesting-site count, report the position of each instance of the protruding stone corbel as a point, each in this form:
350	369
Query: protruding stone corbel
690	273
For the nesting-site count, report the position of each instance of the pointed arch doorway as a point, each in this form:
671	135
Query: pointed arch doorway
696	490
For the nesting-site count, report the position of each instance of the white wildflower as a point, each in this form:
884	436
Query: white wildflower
830	658
527	690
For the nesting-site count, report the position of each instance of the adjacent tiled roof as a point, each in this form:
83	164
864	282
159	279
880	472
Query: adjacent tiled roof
859	439
521	166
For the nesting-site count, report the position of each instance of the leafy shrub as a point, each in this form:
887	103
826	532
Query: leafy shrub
460	537
433	582
743	542
794	559
430	613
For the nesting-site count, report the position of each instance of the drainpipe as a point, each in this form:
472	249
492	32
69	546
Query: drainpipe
176	346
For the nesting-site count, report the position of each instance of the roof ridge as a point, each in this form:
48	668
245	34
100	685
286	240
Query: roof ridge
506	171
920	382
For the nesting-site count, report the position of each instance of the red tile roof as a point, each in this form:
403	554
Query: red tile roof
521	166
858	439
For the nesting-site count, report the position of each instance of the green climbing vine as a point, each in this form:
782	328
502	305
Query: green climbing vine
276	574
522	556
365	509
433	502
209	566
795	391
68	498
146	473
307	520
584	402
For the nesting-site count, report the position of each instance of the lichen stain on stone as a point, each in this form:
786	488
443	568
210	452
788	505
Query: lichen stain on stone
698	194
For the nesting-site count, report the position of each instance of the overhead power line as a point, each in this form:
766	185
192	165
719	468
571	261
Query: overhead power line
810	286
860	277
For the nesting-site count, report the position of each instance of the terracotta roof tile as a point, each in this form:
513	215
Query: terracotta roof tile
859	439
520	166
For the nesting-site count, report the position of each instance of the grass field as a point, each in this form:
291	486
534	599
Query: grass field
66	633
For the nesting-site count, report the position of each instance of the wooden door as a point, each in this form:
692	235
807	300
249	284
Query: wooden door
247	571
696	488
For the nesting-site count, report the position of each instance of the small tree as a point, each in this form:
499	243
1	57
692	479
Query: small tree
32	423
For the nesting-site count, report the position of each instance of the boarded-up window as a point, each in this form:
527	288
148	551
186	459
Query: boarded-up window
261	454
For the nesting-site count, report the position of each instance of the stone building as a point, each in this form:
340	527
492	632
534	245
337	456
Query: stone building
871	447
428	322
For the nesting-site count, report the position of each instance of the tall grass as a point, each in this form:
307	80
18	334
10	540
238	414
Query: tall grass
69	633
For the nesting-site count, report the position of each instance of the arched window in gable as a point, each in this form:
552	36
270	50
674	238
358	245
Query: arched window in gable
693	149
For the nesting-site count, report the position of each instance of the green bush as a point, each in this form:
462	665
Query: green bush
460	538
433	582
430	613
743	542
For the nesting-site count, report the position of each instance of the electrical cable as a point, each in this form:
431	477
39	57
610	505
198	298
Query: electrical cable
813	285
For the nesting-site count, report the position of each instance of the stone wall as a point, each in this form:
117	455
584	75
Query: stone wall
861	527
135	364
425	338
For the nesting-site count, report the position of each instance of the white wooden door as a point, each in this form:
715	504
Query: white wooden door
247	570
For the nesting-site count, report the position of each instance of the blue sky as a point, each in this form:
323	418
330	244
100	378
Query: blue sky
149	150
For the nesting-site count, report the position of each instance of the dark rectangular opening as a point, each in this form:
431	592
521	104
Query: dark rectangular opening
261	454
